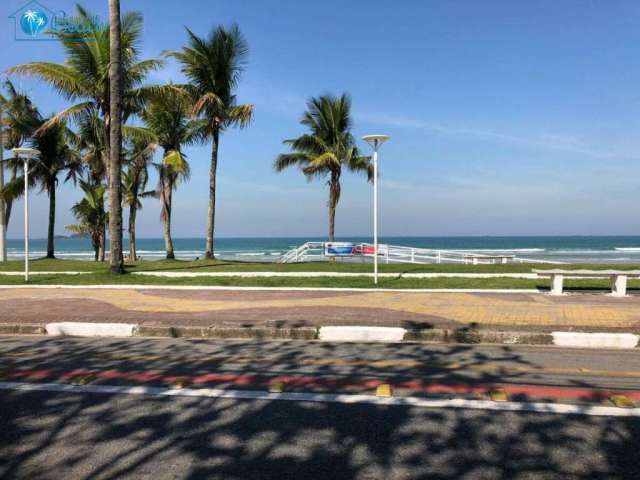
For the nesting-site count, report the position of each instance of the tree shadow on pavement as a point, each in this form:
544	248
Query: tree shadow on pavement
46	435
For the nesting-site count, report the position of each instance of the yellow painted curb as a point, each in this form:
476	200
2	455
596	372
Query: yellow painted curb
384	390
622	401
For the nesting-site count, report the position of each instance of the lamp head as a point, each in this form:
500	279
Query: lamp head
375	140
26	152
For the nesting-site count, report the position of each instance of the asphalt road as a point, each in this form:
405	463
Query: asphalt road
53	435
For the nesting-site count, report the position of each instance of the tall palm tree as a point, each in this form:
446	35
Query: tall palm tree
3	211
115	137
57	155
18	120
91	215
92	147
327	148
167	116
213	66
84	77
134	182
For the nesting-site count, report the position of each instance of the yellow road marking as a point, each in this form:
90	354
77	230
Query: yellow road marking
622	401
276	387
499	395
384	390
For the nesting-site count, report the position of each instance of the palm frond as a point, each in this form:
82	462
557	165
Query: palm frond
64	79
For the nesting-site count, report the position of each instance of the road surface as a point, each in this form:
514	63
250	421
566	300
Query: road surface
86	432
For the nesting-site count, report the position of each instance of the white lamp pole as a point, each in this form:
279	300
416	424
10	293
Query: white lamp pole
26	154
375	141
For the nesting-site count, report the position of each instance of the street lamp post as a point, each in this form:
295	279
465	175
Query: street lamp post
375	141
26	154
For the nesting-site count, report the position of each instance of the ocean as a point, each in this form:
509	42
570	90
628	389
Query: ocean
574	249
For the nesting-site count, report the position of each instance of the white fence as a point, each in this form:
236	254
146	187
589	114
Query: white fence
313	251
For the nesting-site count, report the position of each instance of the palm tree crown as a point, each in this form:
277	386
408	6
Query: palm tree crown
327	148
85	73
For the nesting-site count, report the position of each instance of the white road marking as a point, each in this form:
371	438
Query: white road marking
44	273
334	274
535	407
270	289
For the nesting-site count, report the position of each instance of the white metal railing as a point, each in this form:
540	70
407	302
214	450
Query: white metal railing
398	254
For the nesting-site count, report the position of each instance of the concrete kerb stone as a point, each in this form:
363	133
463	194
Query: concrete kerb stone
260	333
22	329
467	335
474	336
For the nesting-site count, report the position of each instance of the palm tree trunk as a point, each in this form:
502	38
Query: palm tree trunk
334	196
115	139
3	210
95	242
103	241
165	201
52	218
211	214
133	210
8	206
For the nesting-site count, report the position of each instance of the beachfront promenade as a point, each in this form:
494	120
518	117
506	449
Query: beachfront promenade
291	308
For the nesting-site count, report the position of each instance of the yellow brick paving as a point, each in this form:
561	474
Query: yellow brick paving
466	308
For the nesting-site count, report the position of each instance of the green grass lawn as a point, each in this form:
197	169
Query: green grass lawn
97	274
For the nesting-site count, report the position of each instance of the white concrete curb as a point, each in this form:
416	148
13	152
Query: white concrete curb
361	334
81	329
595	340
356	334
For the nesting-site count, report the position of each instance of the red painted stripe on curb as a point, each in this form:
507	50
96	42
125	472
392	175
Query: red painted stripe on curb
327	382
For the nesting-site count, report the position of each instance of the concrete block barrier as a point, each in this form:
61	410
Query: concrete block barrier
361	334
86	329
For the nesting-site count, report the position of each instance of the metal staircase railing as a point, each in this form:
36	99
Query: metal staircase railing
311	251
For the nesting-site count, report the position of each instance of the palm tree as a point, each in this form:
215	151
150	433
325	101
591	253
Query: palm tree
134	182
115	138
84	76
18	120
167	117
56	156
91	215
213	66
327	148
92	147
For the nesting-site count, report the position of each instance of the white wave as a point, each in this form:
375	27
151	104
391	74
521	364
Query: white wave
530	250
628	249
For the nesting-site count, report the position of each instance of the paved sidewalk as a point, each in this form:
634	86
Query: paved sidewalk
246	308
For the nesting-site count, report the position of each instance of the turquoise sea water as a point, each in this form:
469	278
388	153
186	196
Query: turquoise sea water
568	249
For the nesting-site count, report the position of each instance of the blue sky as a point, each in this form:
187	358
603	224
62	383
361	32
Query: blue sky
506	118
